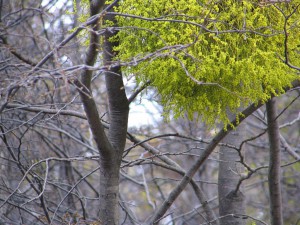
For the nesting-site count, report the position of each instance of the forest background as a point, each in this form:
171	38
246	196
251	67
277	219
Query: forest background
223	75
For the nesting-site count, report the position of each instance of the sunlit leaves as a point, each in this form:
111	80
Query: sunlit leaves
235	51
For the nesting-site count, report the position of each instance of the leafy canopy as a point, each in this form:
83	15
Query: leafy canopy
209	56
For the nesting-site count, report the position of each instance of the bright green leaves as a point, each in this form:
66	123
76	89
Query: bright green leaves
209	57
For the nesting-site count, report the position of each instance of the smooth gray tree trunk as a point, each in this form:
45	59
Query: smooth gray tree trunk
231	202
274	164
111	145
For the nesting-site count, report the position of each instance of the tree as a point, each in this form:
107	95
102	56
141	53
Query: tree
274	167
227	53
204	60
231	199
55	119
111	145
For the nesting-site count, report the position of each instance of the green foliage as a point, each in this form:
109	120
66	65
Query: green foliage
82	17
209	57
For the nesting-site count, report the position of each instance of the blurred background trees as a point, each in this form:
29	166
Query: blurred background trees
50	162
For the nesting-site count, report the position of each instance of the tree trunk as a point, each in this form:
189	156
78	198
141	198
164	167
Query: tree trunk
231	203
109	193
274	164
110	146
68	178
118	118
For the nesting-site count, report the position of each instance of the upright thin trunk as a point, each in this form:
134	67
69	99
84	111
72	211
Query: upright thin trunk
68	177
274	164
231	203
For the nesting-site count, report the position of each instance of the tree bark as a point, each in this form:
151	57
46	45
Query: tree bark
231	203
274	164
118	118
110	146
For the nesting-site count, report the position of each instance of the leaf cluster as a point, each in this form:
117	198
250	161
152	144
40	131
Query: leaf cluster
209	57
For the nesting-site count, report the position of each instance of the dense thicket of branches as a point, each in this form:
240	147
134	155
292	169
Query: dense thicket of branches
53	154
